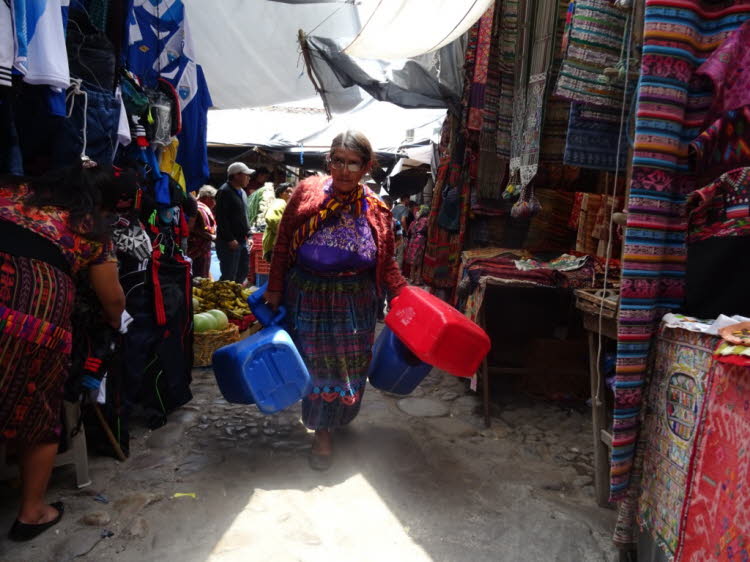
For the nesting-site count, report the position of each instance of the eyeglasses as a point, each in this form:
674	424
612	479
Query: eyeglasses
338	164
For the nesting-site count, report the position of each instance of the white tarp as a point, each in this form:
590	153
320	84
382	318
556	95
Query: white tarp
384	124
399	29
249	49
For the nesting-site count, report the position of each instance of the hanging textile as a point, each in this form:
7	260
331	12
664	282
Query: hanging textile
509	49
457	171
679	36
673	408
492	167
594	43
557	109
442	253
724	145
481	67
717	514
592	140
530	94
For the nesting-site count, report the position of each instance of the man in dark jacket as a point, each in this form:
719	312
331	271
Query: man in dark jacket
231	224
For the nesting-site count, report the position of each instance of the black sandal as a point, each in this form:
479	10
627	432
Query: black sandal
22	532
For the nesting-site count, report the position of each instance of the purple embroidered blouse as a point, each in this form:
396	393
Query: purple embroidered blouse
342	244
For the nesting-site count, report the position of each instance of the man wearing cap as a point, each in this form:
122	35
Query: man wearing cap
232	227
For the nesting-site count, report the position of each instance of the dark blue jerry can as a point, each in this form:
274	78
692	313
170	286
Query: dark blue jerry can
265	369
394	368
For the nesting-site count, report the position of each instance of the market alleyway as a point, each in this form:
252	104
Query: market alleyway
413	480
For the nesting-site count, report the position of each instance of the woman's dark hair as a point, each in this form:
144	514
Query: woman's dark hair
357	142
281	188
86	193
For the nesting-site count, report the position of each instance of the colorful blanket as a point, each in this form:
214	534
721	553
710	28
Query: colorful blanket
592	140
673	410
595	42
678	36
717	514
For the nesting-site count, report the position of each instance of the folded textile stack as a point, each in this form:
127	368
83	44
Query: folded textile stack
602	224
583	220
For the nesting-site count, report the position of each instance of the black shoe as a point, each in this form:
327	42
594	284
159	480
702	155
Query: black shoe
320	462
21	532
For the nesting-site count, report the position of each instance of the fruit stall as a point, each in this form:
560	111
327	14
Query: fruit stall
221	316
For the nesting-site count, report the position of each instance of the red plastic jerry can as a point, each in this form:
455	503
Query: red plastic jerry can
437	333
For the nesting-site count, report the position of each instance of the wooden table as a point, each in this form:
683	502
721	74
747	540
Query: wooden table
485	370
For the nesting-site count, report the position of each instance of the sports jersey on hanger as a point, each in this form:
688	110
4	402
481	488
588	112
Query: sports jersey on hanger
40	53
7	43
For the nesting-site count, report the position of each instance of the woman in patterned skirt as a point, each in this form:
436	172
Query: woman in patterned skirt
48	234
334	257
416	245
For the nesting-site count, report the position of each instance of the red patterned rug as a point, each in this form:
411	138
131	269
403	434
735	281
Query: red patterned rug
716	522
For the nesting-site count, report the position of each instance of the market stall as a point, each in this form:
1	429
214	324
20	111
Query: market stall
599	147
117	84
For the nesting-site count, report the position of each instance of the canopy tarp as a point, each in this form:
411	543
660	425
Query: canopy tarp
432	81
401	29
249	48
387	126
251	56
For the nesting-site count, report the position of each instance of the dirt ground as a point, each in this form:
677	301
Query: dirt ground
416	479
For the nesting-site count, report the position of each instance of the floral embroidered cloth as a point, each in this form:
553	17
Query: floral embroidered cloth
343	243
722	208
52	224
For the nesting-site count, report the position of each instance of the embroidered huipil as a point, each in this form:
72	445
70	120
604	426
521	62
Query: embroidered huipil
343	244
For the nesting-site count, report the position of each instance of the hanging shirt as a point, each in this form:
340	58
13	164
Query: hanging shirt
7	44
156	32
123	127
193	151
159	45
40	54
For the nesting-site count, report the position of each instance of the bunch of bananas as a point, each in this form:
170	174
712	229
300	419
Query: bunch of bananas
226	296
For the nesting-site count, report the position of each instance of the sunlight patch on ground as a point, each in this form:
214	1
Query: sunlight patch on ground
347	521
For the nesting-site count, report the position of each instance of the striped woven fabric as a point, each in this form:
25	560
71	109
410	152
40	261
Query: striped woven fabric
509	47
594	43
592	140
556	110
491	176
678	36
457	170
355	202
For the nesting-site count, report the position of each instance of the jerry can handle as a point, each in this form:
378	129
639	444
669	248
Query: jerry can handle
280	314
257	296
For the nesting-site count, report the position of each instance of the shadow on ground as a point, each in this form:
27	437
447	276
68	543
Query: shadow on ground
403	487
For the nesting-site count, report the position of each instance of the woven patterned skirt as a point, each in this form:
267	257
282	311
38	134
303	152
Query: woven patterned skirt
36	301
332	321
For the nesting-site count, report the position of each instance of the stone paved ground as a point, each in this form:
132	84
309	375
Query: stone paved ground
414	479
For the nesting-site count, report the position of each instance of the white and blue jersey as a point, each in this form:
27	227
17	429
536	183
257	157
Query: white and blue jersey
159	45
40	53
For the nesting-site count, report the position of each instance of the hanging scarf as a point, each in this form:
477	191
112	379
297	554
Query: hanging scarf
354	202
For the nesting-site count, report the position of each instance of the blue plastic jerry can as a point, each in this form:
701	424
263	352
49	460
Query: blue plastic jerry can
265	369
394	368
